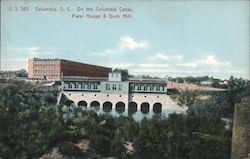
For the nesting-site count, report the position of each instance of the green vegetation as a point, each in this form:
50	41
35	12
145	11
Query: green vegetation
31	126
218	103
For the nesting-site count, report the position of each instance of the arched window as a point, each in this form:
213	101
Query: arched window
107	107
69	103
95	105
82	104
120	107
145	107
157	108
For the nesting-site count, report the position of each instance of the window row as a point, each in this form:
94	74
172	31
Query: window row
114	86
46	77
46	62
45	66
146	87
93	86
46	71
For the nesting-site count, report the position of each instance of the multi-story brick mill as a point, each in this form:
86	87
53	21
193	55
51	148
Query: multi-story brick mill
55	69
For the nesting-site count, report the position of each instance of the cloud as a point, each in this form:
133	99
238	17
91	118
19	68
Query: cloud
148	70
33	51
107	52
158	56
179	57
10	64
188	64
126	42
213	62
153	65
36	51
124	65
131	44
13	60
210	62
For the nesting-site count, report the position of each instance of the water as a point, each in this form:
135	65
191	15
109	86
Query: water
137	115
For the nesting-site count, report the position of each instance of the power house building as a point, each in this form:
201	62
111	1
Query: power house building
114	94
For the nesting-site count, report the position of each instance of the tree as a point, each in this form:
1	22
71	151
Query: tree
187	98
216	84
237	89
124	73
22	73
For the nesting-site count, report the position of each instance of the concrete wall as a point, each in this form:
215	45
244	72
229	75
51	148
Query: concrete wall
115	76
121	87
96	96
241	130
139	98
30	68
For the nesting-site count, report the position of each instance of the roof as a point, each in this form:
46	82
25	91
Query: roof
191	87
83	78
56	59
130	80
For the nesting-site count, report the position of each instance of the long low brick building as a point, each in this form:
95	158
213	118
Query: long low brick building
190	87
55	69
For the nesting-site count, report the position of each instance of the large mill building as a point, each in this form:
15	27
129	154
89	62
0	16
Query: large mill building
55	69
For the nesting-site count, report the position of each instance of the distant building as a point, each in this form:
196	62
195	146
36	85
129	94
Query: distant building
224	82
55	69
206	83
7	74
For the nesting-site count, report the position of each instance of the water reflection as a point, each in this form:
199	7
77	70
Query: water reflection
131	111
138	115
145	108
95	105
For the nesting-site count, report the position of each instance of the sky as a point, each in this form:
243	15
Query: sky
162	38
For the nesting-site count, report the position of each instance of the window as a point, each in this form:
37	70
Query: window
151	88
89	85
83	86
157	88
114	86
132	87
95	86
107	86
162	88
66	85
144	88
140	87
120	87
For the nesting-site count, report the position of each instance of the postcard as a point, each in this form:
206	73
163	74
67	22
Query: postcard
124	79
